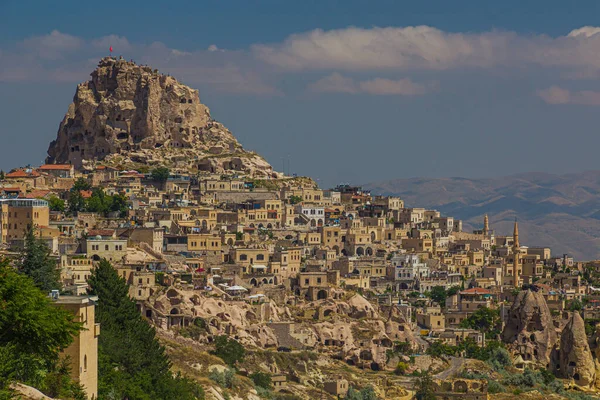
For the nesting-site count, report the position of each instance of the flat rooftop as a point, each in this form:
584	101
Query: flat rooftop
75	299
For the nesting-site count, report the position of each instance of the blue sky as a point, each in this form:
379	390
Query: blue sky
352	91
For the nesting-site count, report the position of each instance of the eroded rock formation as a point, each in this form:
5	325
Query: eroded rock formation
574	355
129	114
355	330
529	327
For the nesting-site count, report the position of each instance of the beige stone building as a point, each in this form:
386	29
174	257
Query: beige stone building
105	244
83	352
75	271
17	216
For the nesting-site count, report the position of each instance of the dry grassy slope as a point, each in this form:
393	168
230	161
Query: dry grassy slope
311	369
560	211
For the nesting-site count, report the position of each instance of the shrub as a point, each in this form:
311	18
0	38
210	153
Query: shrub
264	393
225	379
229	350
261	379
192	332
495	387
401	368
499	359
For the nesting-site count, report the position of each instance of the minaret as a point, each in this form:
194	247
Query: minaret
486	225
516	254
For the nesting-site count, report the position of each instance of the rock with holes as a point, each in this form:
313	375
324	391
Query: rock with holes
128	115
575	360
529	328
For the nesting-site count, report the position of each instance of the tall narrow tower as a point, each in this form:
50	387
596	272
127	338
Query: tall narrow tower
486	225
516	254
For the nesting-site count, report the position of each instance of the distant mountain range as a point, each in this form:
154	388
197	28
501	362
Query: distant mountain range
559	211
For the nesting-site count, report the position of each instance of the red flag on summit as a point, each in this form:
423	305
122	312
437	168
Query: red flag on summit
110	49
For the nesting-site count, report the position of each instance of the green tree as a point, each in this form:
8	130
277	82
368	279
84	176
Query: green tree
56	204
2	175
261	379
76	202
131	362
80	184
424	387
229	350
119	204
35	261
32	330
438	294
452	291
575	305
99	202
441	350
484	320
295	199
367	393
160	174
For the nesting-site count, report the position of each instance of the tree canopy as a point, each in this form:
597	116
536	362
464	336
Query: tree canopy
56	204
439	294
81	184
229	350
424	387
35	261
484	320
295	199
132	363
98	202
160	174
33	331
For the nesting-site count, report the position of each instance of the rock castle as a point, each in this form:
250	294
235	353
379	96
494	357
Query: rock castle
128	115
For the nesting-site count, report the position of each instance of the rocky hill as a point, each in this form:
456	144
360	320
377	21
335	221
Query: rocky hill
560	211
129	114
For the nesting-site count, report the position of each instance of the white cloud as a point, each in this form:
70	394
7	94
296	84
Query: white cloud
337	83
558	95
53	45
51	58
403	87
120	44
585	31
424	47
179	53
334	83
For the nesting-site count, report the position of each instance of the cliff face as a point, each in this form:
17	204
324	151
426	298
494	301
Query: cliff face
529	327
131	114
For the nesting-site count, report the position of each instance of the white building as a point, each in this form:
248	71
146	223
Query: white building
409	266
316	215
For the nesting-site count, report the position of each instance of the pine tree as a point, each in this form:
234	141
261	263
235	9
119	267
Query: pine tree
132	363
35	262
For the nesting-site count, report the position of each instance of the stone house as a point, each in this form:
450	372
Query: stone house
83	352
